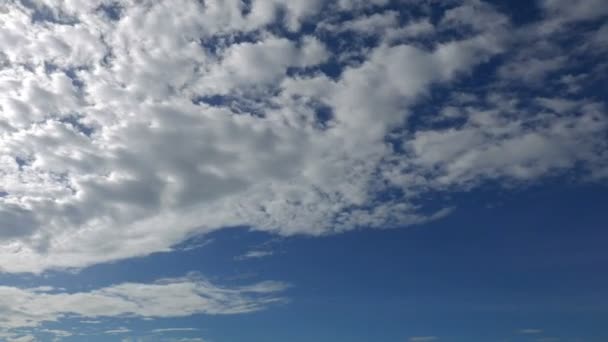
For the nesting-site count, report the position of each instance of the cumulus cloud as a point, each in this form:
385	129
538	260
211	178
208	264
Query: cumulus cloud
490	146
127	127
178	297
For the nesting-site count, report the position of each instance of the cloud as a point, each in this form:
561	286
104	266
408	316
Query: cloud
255	254
57	333
121	330
165	298
423	338
24	338
530	331
247	66
169	330
183	339
567	12
374	24
127	128
488	146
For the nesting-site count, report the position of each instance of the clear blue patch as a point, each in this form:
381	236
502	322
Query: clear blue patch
215	45
214	100
22	163
521	12
75	123
42	13
323	115
112	11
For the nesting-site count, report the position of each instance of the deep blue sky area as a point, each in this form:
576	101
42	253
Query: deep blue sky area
501	263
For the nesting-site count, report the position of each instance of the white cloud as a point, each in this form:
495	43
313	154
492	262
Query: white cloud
121	330
24	338
492	145
566	11
170	330
373	24
415	29
532	69
57	333
258	65
124	136
475	14
255	254
165	298
530	331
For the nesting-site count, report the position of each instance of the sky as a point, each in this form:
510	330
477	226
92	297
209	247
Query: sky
303	170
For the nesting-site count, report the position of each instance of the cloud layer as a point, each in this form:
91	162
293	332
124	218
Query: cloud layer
127	127
22	308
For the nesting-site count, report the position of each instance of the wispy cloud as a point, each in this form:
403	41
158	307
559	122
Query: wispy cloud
164	298
170	330
530	331
423	338
121	330
254	254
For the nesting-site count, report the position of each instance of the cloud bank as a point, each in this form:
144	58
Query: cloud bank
22	308
127	127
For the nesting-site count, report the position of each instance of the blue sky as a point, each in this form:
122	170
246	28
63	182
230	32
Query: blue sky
307	170
501	265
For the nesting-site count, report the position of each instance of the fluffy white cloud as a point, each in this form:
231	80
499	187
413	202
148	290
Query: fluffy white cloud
166	298
492	144
129	126
257	65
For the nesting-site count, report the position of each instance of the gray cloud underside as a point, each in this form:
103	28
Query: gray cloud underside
127	127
